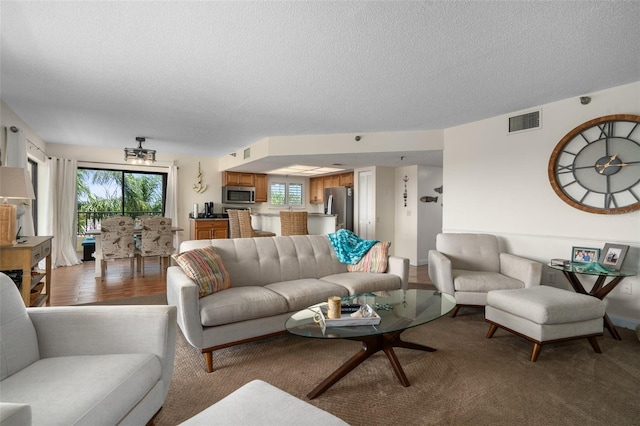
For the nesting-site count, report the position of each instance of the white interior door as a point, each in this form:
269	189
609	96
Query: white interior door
366	206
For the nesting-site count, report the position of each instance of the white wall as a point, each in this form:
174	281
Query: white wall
497	183
429	217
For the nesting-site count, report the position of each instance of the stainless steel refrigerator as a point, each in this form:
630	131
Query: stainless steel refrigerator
339	201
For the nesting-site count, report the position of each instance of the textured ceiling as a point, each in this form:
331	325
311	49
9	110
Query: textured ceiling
209	78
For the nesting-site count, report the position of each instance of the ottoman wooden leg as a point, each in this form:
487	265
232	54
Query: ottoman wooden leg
594	344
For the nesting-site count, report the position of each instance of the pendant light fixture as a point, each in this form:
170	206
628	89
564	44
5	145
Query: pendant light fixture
140	155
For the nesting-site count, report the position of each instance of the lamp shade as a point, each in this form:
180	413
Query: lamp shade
15	182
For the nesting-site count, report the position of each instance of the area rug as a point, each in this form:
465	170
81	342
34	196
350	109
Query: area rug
468	380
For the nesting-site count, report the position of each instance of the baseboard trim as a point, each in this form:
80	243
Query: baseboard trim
624	322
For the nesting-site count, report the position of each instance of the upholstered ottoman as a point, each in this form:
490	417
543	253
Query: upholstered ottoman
259	403
545	315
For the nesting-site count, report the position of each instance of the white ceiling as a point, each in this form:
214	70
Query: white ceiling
209	78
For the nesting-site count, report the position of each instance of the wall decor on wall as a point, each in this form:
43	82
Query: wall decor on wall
199	187
596	166
404	194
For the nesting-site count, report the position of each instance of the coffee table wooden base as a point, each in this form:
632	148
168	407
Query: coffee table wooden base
371	345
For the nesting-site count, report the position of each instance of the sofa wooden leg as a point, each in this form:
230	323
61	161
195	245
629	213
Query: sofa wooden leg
492	330
535	352
455	311
208	357
594	344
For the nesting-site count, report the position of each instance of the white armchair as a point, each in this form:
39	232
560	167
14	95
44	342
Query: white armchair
468	266
94	365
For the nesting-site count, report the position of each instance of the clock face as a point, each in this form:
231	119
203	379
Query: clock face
596	166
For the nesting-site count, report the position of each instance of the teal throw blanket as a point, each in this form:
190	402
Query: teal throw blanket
349	247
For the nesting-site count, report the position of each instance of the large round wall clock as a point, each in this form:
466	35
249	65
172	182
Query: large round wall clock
596	166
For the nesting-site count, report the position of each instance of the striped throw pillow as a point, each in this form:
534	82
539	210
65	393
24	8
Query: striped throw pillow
204	266
375	260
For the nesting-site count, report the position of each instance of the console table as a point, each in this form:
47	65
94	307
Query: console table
599	289
24	255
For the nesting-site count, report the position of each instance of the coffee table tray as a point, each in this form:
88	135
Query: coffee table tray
347	320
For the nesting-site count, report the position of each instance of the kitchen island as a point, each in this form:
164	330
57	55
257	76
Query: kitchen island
317	223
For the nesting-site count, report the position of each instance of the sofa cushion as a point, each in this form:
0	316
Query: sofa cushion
97	389
300	294
364	282
376	259
240	304
479	281
204	266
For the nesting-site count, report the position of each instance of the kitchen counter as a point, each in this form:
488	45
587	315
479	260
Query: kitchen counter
317	223
278	214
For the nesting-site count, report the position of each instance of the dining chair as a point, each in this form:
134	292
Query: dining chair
156	240
246	229
293	223
234	224
116	233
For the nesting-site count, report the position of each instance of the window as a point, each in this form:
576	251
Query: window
32	166
283	194
104	193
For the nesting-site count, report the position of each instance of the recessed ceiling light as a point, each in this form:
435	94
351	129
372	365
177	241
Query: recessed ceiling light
301	170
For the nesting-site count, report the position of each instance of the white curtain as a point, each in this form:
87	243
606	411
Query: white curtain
171	207
17	157
60	211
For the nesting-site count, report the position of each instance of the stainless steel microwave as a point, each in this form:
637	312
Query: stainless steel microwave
238	194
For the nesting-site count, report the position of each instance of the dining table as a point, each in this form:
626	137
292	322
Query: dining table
96	234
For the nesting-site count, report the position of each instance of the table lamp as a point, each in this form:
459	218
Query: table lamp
15	183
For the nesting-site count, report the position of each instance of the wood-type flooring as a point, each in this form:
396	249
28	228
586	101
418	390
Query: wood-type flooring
73	285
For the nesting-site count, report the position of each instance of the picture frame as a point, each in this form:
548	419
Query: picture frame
613	256
584	255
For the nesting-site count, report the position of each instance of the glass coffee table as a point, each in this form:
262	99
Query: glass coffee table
399	310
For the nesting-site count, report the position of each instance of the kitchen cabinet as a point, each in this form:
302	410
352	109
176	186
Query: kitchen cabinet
238	179
345	179
316	190
208	229
331	181
318	184
261	188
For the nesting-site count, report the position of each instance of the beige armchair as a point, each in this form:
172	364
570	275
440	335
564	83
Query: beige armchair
93	365
468	266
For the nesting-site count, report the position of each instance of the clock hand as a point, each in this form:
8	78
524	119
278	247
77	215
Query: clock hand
604	166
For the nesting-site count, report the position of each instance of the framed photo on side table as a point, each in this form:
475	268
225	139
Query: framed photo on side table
584	255
613	256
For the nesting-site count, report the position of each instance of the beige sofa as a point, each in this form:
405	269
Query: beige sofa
271	278
84	365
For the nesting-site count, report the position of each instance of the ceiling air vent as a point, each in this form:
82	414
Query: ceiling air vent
530	120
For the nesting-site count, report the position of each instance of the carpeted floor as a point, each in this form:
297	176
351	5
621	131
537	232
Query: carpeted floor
469	380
